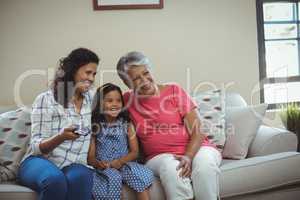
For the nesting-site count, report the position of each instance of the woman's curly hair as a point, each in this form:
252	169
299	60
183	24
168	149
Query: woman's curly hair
63	84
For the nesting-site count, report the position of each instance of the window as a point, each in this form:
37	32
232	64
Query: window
279	51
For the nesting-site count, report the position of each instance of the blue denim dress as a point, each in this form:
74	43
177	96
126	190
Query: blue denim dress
111	144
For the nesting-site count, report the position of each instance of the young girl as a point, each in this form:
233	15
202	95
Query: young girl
114	163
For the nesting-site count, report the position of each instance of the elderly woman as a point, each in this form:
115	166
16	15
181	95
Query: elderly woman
168	127
56	164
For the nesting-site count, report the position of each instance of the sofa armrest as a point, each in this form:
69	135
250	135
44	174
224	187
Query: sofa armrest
269	140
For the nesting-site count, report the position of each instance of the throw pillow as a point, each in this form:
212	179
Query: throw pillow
211	107
14	138
242	124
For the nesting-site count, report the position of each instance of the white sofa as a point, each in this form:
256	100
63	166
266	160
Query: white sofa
270	171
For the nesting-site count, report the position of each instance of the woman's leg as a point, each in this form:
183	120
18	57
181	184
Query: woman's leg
205	174
80	182
44	177
175	187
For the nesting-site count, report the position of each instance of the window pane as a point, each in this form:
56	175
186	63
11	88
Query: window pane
282	92
282	58
298	11
278	11
280	31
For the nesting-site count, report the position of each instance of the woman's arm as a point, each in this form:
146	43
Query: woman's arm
133	149
192	124
43	139
47	145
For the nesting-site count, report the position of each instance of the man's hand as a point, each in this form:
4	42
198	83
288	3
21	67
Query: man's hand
185	164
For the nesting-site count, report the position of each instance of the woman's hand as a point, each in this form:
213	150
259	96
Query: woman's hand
68	134
117	164
51	143
185	164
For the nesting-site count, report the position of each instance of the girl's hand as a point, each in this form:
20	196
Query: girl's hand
117	164
68	134
185	164
102	165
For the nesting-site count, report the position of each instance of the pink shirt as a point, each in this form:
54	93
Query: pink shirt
159	120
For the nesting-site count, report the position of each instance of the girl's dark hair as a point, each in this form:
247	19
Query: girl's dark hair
97	112
63	84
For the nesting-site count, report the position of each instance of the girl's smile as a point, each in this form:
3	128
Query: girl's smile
112	105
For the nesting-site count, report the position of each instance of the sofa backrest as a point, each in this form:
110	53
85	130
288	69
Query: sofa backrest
233	99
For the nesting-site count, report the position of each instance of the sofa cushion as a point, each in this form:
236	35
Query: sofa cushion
238	177
259	173
233	99
12	191
14	139
4	109
211	107
269	140
242	124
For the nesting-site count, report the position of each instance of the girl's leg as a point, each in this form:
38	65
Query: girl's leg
80	182
143	195
44	177
107	184
139	178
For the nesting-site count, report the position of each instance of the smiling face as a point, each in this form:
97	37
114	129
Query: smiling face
112	105
85	77
142	80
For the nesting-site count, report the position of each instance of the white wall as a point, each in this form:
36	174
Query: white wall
215	39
